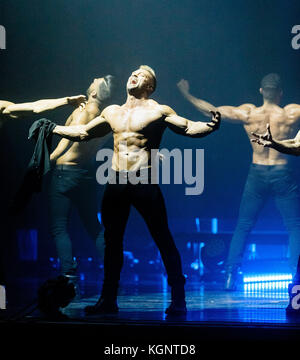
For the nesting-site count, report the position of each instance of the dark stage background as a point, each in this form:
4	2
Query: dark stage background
55	48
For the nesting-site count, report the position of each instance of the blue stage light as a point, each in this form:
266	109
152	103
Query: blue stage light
197	221
195	265
267	278
214	225
99	217
252	251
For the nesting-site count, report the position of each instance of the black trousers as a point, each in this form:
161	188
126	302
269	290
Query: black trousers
73	187
148	200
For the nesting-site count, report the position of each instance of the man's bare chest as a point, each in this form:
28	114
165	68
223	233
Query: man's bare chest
136	120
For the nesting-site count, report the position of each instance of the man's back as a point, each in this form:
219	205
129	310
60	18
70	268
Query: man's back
284	123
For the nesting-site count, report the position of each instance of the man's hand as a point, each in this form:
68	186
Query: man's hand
183	86
215	120
265	140
78	100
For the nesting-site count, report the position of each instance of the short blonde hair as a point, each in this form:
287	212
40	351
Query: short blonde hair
152	73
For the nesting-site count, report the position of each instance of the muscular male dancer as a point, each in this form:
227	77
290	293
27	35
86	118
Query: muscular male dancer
9	110
73	182
270	172
137	126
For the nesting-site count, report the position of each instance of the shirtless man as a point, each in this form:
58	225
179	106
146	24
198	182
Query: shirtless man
9	110
73	183
270	173
137	127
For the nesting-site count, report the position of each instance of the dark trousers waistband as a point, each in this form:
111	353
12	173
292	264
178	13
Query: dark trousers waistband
272	167
71	167
144	175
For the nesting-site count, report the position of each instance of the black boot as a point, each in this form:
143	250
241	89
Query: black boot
107	303
178	304
231	278
73	279
102	306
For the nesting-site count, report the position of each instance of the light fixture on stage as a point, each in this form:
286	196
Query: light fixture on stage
214	226
258	278
263	284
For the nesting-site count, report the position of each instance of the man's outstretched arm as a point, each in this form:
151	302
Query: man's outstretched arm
234	114
98	127
289	146
190	128
36	107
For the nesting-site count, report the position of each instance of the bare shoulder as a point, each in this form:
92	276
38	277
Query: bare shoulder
247	107
167	110
110	110
292	109
292	112
292	106
92	109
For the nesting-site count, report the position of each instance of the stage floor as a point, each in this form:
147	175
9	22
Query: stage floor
205	303
213	316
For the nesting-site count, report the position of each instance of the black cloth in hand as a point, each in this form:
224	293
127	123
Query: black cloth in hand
41	131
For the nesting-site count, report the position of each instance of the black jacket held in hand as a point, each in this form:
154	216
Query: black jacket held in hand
39	165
